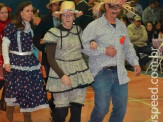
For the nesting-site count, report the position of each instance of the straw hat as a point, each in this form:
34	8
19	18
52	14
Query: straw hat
114	1
52	1
67	7
126	5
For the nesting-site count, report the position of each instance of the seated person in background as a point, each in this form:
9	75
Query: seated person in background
157	29
151	13
138	6
150	31
125	20
138	10
138	36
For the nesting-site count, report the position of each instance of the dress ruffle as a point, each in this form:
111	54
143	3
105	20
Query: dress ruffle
77	70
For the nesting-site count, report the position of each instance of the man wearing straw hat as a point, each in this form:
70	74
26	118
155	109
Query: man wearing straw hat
46	23
106	62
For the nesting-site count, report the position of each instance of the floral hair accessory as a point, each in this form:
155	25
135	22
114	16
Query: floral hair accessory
122	39
9	9
68	11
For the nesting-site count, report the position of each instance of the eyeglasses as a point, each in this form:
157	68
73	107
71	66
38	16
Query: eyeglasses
68	14
114	7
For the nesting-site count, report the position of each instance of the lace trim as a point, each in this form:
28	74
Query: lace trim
10	102
18	41
67	33
34	109
26	68
19	36
71	74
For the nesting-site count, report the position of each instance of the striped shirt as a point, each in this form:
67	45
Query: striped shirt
106	35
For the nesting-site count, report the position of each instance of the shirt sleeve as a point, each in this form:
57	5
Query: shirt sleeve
8	34
144	16
10	31
90	34
144	34
51	49
5	50
50	37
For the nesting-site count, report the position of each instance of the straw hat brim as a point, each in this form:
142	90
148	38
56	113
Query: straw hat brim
125	5
48	5
76	12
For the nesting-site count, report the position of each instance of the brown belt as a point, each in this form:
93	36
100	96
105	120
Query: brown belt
110	67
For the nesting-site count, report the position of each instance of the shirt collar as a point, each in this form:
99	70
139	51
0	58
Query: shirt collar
106	21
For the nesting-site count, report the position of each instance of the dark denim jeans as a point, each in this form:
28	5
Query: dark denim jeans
106	87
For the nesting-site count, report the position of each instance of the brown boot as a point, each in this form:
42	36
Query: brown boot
27	117
9	113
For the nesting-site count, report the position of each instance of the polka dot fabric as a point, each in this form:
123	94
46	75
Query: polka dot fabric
24	84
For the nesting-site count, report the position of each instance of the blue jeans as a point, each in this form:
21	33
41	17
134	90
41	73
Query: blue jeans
107	86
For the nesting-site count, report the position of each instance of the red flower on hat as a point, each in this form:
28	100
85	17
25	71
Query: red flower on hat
9	9
122	39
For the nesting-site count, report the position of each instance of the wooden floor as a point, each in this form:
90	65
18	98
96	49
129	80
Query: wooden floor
140	103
